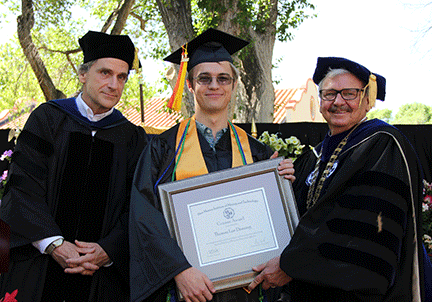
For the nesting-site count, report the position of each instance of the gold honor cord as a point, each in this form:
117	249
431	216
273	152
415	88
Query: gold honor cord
313	197
192	162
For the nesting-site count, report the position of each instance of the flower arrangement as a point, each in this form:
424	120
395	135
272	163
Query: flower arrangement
289	148
427	216
7	155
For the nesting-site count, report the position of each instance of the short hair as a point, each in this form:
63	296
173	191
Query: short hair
234	70
334	72
85	67
338	71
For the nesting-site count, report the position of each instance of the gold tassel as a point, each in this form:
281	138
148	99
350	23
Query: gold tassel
373	90
254	129
135	63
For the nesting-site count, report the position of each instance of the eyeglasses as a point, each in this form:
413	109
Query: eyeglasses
348	94
206	79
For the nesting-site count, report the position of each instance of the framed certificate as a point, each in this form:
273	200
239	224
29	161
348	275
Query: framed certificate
228	221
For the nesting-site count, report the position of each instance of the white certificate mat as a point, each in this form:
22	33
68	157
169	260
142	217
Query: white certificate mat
232	226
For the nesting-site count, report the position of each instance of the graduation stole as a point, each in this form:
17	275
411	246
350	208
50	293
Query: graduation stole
192	162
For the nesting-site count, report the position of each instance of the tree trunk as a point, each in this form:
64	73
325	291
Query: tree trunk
25	24
257	67
122	17
257	79
233	28
177	19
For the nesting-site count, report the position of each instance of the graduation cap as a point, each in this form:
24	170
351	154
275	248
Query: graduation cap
96	45
375	81
211	46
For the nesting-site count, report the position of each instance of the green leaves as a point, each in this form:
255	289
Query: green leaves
415	113
382	114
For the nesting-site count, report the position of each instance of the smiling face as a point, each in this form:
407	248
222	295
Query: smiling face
213	98
103	84
342	115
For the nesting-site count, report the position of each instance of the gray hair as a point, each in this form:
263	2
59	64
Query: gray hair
85	67
338	71
334	72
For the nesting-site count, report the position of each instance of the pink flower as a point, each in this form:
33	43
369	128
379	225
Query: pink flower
428	199
6	155
4	176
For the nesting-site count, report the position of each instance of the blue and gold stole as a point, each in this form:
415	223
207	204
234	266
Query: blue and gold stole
189	159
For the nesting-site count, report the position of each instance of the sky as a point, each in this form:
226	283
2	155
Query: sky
379	34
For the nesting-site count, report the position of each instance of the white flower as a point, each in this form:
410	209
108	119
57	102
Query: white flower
292	141
427	239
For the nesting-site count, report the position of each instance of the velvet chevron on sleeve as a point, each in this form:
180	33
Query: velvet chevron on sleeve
361	239
66	182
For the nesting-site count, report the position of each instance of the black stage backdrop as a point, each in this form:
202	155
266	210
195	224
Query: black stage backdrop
420	137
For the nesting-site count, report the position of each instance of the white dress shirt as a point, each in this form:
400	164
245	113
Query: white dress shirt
85	111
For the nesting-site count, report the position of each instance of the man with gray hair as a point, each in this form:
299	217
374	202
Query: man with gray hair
67	197
359	194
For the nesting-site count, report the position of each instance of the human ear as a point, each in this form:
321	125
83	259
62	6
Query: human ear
82	77
190	86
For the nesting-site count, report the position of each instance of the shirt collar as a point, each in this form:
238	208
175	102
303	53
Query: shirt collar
208	134
86	111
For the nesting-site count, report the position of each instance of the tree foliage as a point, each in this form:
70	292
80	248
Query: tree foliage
415	113
158	27
54	32
382	114
49	29
16	77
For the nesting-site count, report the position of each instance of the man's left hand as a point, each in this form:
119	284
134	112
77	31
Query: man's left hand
285	168
89	263
270	275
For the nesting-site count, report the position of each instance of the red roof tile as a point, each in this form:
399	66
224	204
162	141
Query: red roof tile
156	117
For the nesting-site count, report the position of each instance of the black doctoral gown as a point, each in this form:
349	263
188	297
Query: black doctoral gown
64	181
155	256
358	242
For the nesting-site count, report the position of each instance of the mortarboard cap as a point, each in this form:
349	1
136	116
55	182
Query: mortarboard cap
324	64
96	45
211	46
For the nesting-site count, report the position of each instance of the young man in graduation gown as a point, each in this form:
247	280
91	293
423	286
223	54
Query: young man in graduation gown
67	198
204	143
359	193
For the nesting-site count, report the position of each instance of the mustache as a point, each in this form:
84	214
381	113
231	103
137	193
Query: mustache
335	108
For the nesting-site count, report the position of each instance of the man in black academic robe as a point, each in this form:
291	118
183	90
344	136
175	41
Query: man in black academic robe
157	263
70	179
151	243
359	193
